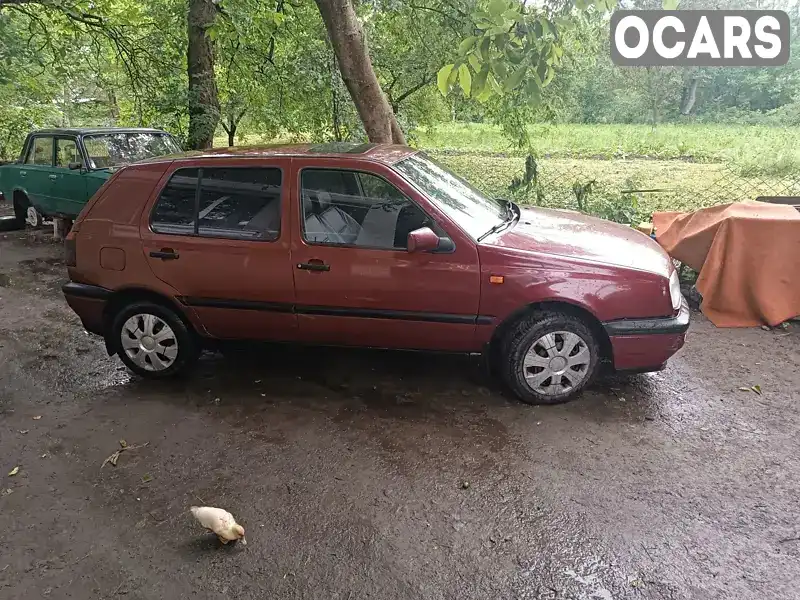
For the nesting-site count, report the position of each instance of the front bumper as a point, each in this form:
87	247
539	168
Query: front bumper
647	344
89	303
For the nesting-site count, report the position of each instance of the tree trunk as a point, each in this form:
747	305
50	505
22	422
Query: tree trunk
689	96
203	101
231	135
350	46
337	127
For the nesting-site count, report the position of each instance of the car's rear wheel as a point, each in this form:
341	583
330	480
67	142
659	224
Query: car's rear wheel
153	341
549	357
32	217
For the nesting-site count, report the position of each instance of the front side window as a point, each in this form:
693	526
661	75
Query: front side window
41	152
349	208
234	203
464	204
66	153
110	150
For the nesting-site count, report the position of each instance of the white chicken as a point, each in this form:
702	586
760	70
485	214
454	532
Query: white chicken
221	522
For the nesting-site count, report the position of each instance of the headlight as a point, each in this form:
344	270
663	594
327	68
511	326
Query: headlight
675	290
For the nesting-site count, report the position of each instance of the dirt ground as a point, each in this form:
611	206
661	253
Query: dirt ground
387	475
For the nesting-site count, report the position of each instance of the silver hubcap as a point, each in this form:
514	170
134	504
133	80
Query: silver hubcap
32	216
149	342
556	363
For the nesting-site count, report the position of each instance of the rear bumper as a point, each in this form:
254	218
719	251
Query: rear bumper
647	344
89	303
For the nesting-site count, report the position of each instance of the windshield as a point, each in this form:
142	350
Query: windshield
115	149
473	211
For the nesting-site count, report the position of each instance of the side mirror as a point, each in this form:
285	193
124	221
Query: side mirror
422	240
75	166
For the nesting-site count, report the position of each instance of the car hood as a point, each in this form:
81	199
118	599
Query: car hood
575	235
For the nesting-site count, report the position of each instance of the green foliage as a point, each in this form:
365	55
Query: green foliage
512	48
612	205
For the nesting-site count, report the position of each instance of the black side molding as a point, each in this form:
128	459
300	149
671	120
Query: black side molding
281	307
84	290
393	315
335	311
671	325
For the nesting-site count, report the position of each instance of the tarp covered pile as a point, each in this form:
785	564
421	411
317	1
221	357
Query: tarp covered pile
748	258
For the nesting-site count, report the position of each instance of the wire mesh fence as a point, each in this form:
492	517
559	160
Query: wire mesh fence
625	190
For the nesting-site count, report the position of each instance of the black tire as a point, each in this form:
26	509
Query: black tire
185	339
21	204
520	340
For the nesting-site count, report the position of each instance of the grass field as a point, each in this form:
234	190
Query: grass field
768	150
685	166
680	167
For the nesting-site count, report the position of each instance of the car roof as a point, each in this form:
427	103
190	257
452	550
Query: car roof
384	153
95	130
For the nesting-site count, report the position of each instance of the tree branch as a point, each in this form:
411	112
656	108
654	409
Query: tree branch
425	81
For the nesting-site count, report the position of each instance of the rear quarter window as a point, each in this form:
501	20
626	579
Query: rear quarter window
226	202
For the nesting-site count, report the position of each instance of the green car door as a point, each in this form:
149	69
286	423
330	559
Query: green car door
36	173
69	184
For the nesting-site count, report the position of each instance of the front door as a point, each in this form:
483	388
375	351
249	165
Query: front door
68	188
219	235
36	174
355	281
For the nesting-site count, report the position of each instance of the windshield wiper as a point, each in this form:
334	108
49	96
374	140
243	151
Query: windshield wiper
511	216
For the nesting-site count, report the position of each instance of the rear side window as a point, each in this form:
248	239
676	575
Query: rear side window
40	152
235	203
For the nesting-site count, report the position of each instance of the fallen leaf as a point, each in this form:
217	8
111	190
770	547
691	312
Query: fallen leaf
37	417
756	389
13	471
123	443
744	389
24	431
6	492
147	478
43	456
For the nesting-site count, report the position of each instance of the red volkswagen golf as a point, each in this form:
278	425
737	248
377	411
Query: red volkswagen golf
364	245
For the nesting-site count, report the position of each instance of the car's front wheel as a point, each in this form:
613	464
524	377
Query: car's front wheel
549	357
153	341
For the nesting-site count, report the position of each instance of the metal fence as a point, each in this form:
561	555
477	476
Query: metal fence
685	186
625	190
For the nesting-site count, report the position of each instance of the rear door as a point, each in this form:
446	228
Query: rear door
68	188
219	235
36	173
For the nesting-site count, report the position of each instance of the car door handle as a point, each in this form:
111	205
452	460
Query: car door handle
165	254
53	176
313	266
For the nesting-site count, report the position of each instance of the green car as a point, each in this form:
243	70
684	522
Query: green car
60	169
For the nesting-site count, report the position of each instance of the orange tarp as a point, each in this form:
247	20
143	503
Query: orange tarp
748	258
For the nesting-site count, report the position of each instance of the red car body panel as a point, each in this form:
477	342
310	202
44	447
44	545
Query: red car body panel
454	301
